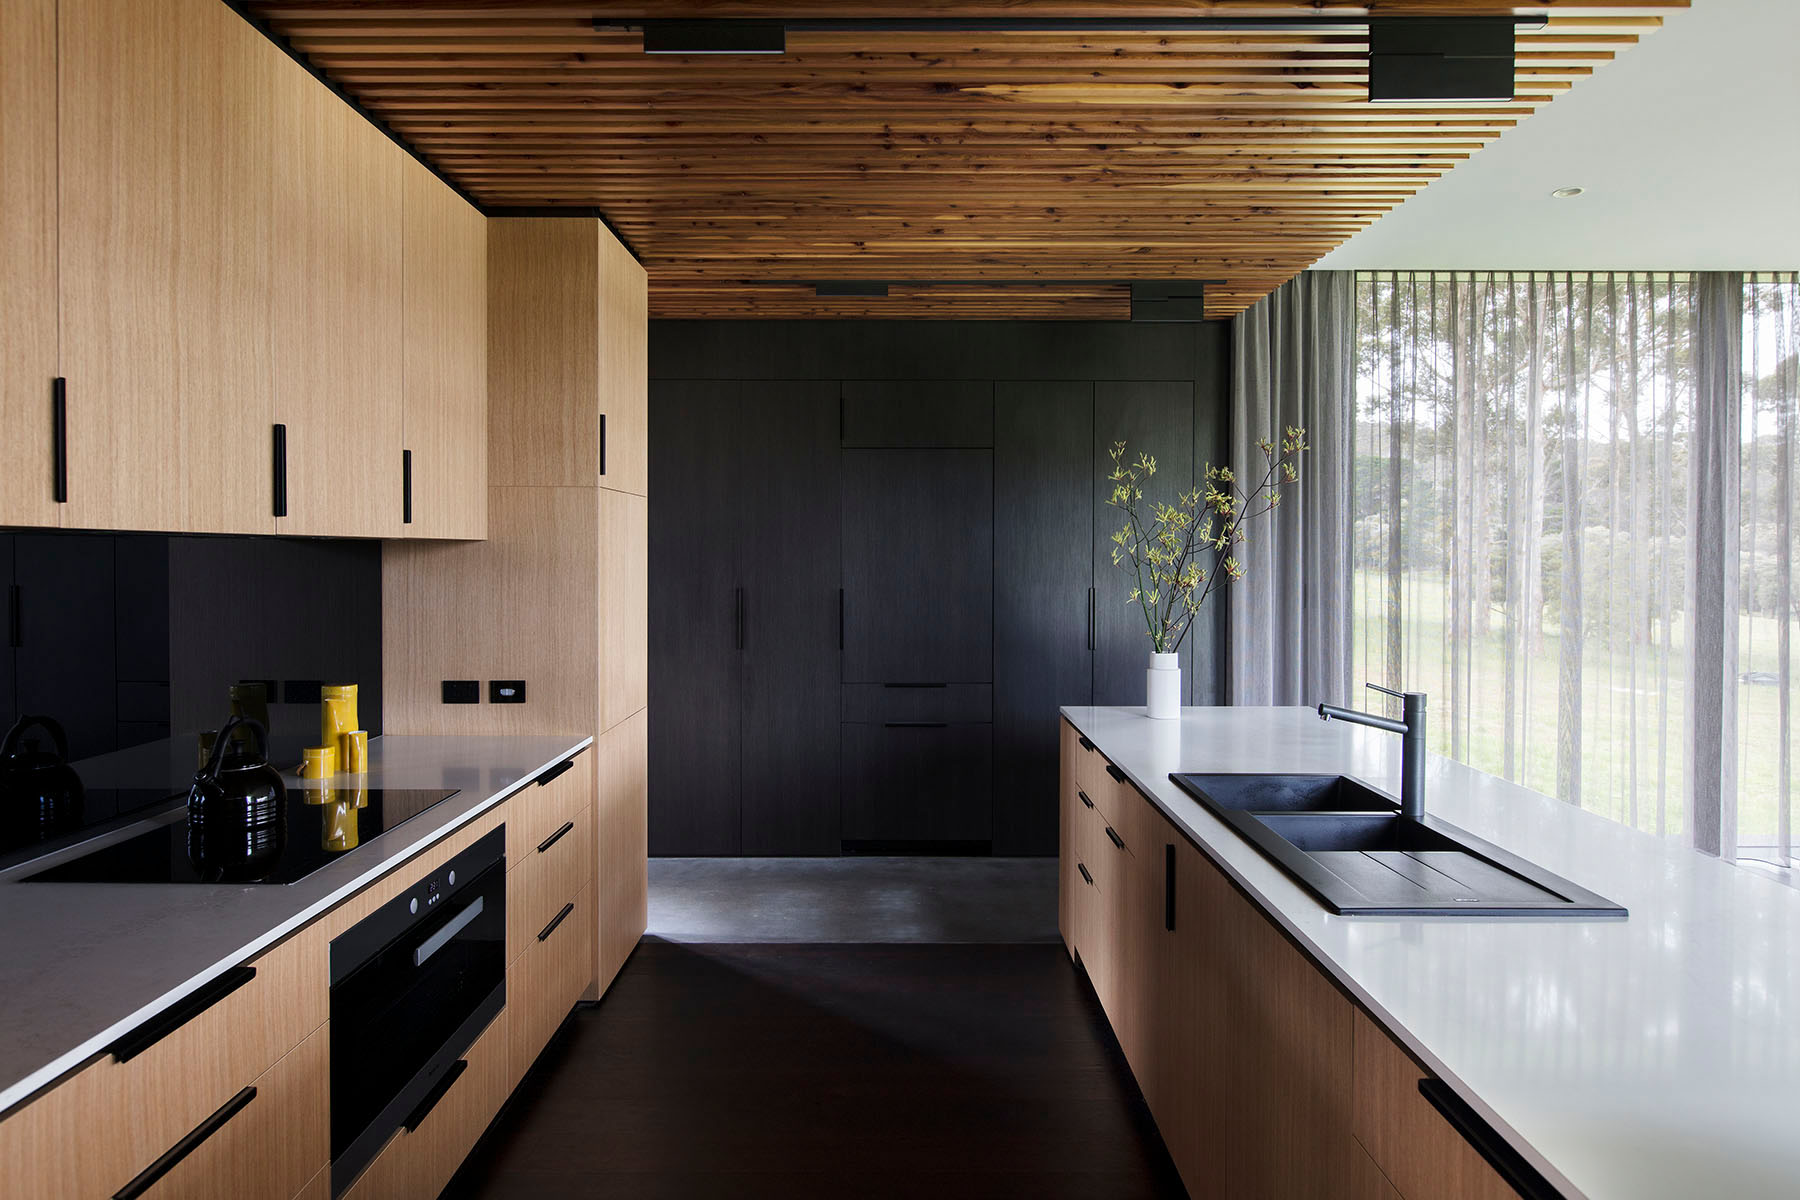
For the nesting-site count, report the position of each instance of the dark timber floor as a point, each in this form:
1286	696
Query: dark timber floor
869	1071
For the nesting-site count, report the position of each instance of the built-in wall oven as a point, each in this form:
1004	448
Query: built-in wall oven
412	985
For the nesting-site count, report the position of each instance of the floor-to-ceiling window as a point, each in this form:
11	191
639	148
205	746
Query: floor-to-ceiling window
1527	529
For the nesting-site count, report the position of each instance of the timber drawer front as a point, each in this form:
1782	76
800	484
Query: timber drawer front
1420	1152
548	977
171	1077
538	810
553	871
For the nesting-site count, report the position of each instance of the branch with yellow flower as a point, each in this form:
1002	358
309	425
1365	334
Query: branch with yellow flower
1180	553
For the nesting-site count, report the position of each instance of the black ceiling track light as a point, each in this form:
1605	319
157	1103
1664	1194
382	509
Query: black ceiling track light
1411	59
1447	59
1152	300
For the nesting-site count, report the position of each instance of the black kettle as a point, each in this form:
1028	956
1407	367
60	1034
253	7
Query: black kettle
237	809
40	794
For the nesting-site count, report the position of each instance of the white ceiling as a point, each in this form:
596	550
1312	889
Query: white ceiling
1688	146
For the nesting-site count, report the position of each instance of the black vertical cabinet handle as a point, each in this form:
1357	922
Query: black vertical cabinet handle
186	1146
59	440
406	487
1169	887
602	443
280	470
737	618
1090	618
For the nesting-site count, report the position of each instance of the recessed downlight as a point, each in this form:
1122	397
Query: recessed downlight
1568	193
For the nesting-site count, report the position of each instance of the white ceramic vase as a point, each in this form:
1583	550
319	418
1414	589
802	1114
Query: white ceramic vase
1162	687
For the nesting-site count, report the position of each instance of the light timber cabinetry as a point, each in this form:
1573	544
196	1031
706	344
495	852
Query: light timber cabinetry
244	286
27	259
165	168
1264	1079
557	594
240	1071
335	306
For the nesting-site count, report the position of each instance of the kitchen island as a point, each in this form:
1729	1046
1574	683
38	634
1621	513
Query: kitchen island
1647	1057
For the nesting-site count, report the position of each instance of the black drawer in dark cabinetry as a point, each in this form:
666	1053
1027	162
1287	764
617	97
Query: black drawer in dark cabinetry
917	787
919	413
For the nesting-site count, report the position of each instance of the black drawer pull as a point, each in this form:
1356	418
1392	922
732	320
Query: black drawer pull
555	837
406	487
555	772
1509	1163
556	920
915	724
1085	744
1084	799
438	1089
1169	887
603	443
186	1146
178	1014
1118	775
1116	839
1084	873
59	440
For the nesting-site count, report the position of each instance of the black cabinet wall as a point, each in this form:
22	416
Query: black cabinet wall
958	475
1043	590
744	613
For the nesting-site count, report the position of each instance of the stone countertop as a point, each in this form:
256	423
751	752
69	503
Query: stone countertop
1657	1056
82	963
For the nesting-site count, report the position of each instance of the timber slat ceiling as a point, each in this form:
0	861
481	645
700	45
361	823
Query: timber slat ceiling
1054	165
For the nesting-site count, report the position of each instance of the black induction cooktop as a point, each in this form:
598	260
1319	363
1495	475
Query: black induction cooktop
323	824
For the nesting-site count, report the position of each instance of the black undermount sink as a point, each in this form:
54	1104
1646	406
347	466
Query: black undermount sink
1348	845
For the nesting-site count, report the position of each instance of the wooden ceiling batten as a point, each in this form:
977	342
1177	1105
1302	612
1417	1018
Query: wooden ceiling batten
1231	153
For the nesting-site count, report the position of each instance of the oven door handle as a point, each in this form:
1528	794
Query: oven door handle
441	938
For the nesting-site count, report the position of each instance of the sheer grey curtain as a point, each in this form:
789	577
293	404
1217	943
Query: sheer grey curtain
1574	525
1293	365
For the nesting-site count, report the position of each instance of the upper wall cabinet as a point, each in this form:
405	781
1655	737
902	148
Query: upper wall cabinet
266	316
335	312
165	164
624	369
27	260
444	353
566	398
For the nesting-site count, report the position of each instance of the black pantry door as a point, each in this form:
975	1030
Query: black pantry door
695	687
743	618
1158	419
1044	485
786	506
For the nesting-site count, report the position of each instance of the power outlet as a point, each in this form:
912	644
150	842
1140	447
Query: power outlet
506	691
462	691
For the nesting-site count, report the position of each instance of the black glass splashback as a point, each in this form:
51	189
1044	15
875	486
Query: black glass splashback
322	825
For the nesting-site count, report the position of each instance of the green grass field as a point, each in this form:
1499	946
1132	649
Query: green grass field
1634	727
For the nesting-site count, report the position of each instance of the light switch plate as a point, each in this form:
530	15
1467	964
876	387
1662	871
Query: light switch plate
462	691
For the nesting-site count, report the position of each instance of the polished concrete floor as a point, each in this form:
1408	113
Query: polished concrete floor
853	899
